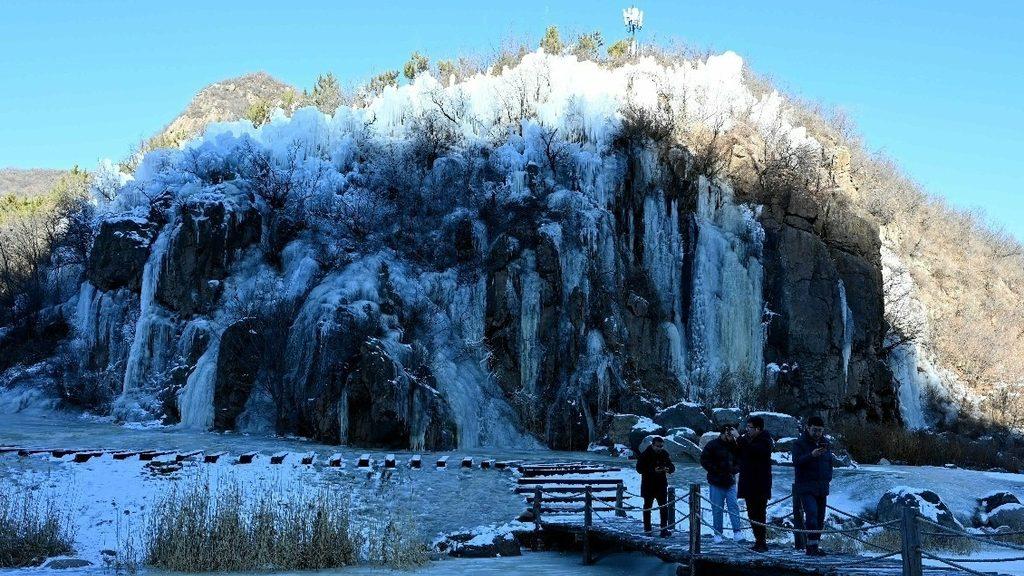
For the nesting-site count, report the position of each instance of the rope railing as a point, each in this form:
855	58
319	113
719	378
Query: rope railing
805	531
947	532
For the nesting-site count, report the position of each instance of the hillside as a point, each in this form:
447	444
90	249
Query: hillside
226	101
28	182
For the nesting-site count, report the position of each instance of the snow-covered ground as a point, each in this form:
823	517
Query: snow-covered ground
109	499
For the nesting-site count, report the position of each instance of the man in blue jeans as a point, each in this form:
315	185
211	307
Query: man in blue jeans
721	460
812	463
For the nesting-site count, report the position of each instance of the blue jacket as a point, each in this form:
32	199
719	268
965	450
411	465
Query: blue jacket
813	473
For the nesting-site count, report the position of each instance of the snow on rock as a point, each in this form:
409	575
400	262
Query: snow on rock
684	414
928	503
1010	515
483	542
779	425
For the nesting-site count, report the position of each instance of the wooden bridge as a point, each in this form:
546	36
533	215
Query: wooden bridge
593	513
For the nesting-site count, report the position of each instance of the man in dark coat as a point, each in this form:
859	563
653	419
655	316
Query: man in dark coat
755	486
812	463
720	458
654	465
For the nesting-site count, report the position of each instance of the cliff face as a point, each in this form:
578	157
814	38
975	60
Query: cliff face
403	286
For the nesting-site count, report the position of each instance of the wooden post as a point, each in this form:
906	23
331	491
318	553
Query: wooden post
588	521
695	519
620	508
537	495
911	540
799	538
671	503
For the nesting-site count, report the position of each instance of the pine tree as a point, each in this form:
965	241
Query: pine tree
326	94
552	42
417	63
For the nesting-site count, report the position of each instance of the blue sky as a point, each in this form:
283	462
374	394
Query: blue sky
938	85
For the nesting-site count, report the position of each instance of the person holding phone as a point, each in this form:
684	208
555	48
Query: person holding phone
654	466
812	463
720	458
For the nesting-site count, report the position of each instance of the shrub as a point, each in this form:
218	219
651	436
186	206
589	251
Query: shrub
31	529
259	112
551	43
587	46
417	63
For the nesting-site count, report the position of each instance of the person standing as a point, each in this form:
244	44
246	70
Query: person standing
721	460
654	466
812	462
755	485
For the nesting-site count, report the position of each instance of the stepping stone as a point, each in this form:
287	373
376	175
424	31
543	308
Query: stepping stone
467	462
85	456
442	462
336	460
486	464
213	457
151	454
389	461
364	461
278	458
187	455
308	458
416	462
125	455
247	458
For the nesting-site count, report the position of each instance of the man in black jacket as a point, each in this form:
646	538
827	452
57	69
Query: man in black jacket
720	458
654	464
812	463
755	486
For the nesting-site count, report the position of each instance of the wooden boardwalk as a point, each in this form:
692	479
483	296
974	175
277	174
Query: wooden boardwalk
722	559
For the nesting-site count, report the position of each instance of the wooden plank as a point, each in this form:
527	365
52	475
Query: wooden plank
416	462
187	455
364	461
575	481
336	460
442	462
467	462
247	458
389	461
278	458
308	458
569	489
213	457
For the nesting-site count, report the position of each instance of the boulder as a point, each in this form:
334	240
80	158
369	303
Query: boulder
681	449
988	503
929	503
685	414
784	444
684	432
67	563
707	437
618	428
1011	515
119	252
643	428
483	542
727	416
779	425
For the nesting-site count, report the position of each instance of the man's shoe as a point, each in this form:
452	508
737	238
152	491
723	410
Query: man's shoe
717	538
665	532
815	551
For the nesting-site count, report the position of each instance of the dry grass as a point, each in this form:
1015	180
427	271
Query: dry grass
32	528
200	527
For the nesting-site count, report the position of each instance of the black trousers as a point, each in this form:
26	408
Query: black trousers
757	511
814	515
663	511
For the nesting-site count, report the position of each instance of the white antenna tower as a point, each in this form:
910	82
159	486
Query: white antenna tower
633	17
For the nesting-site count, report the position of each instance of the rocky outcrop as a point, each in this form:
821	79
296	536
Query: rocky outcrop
119	252
687	415
238	363
208	233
